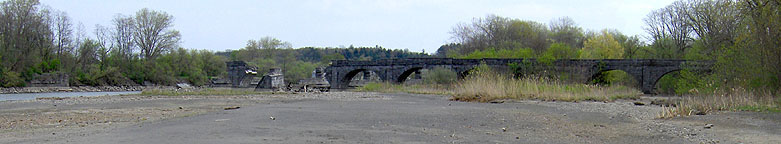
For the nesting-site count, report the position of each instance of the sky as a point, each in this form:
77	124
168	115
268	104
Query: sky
416	25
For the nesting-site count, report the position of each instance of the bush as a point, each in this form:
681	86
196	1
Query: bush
11	79
439	75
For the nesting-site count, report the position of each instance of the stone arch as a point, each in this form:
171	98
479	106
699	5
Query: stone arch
407	72
650	86
344	81
463	72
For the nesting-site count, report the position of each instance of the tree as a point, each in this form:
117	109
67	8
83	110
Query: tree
529	34
62	35
560	51
500	33
264	47
564	30
631	44
446	49
714	22
669	28
153	32
602	46
122	35
87	53
26	35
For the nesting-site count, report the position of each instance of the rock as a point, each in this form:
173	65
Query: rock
504	129
496	101
272	118
697	112
232	108
708	126
639	103
184	86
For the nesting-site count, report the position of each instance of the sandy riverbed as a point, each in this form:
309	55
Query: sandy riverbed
351	117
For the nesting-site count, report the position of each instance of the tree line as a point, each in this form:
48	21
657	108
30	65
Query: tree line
741	36
134	49
141	48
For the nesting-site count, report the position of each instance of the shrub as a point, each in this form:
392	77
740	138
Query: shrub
439	75
12	79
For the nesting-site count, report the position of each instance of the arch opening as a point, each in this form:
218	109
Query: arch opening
412	73
614	77
668	84
464	74
359	77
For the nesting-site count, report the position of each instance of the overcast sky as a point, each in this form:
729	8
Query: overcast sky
399	24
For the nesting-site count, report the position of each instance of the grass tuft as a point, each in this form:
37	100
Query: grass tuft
488	86
734	100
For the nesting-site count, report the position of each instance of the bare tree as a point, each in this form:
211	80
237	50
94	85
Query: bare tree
62	33
714	22
153	33
122	35
670	29
500	33
103	42
25	32
565	30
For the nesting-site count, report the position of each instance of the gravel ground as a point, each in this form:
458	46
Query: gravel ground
353	117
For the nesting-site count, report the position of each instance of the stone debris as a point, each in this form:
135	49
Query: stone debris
232	108
708	126
184	86
639	103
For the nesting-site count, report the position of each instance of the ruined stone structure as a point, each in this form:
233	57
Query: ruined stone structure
273	81
239	74
316	83
646	71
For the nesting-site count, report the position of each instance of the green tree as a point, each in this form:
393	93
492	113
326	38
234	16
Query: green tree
561	51
602	46
564	30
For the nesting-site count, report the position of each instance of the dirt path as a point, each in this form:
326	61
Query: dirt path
348	117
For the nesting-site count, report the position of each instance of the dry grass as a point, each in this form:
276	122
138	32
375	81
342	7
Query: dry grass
489	86
734	100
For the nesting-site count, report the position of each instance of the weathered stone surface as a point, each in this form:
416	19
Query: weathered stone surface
316	83
646	71
239	74
274	81
220	82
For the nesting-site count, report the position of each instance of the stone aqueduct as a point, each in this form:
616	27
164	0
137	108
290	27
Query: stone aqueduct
646	71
